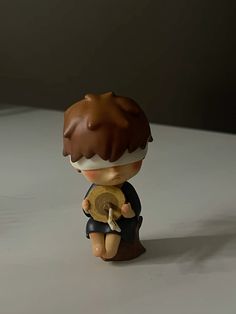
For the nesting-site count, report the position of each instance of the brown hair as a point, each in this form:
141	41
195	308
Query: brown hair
105	125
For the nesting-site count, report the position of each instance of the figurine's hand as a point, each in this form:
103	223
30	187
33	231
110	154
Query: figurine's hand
86	205
127	211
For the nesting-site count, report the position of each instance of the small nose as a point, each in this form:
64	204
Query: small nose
113	169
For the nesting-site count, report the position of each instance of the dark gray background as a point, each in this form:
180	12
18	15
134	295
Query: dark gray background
175	58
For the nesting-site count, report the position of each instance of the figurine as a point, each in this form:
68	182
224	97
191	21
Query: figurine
106	138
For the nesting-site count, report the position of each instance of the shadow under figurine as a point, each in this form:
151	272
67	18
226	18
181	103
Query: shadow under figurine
106	137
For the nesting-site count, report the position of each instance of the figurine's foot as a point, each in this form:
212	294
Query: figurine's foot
112	242
129	250
108	256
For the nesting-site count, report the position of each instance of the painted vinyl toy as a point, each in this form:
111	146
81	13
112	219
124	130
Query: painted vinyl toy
106	138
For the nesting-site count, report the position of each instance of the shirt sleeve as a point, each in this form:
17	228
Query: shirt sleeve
131	197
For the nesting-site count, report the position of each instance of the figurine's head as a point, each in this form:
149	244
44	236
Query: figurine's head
106	137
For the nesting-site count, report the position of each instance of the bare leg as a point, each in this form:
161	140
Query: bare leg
98	245
112	242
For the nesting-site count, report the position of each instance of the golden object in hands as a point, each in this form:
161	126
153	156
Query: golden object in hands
102	198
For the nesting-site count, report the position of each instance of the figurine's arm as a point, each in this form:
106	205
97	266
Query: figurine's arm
86	206
132	207
127	211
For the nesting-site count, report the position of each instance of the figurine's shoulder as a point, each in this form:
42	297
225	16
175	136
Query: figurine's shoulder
92	186
128	187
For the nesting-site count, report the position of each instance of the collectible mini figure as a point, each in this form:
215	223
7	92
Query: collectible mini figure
106	138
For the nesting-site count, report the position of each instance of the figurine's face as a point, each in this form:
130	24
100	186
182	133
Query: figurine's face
113	175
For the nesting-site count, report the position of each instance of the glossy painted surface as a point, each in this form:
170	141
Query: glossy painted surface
187	186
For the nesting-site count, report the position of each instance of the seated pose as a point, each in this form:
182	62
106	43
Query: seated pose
106	138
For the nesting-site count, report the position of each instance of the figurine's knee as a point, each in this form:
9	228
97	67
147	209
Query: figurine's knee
98	250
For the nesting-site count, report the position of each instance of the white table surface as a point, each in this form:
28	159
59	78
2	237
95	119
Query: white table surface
188	192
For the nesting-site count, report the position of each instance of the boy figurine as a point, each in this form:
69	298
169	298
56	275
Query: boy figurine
106	138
